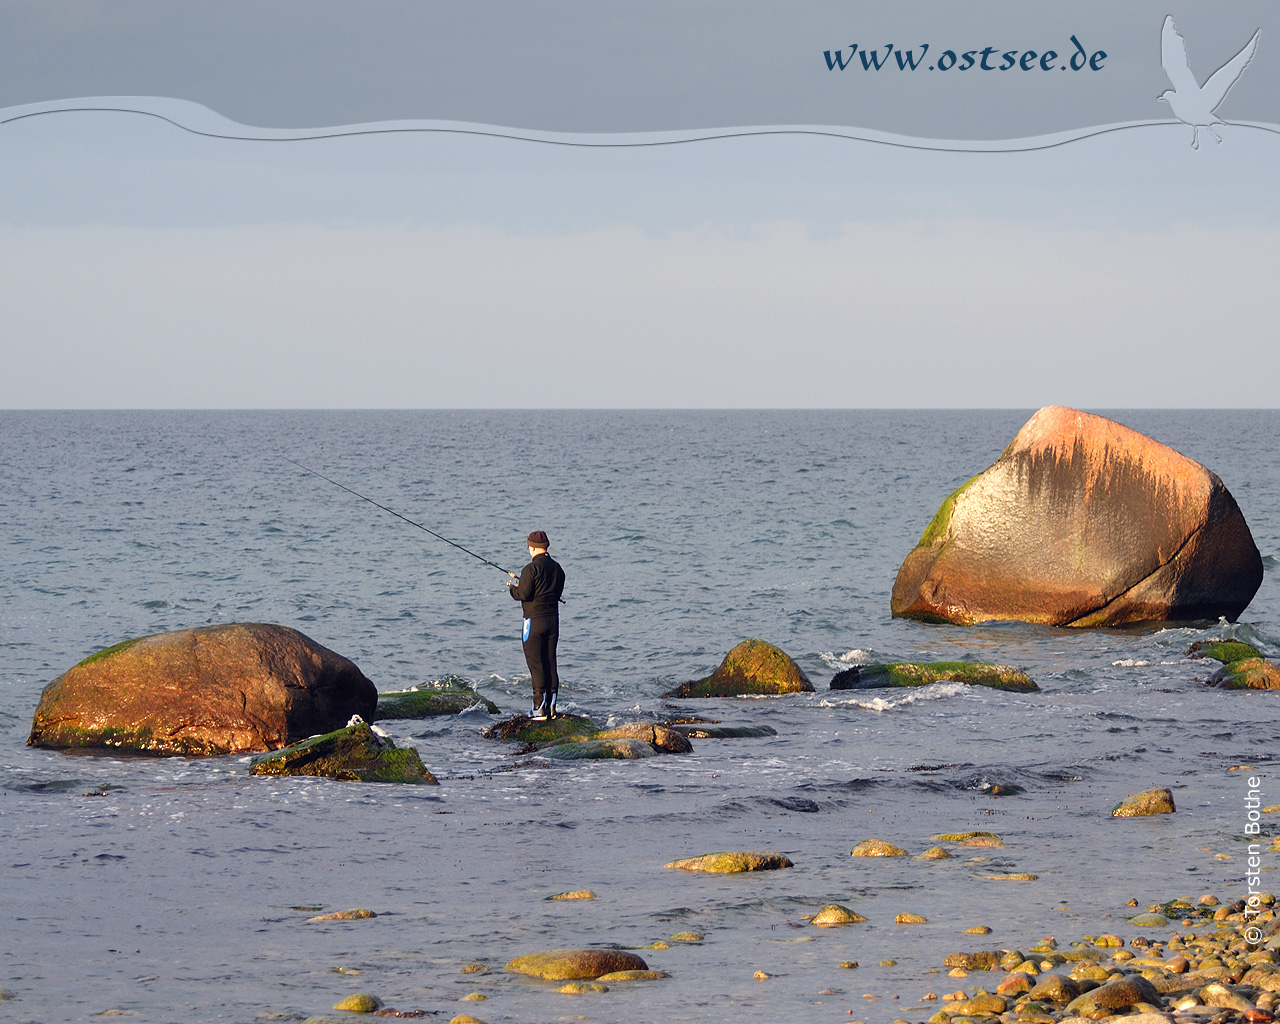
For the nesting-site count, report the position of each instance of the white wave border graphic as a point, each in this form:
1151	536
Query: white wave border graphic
201	120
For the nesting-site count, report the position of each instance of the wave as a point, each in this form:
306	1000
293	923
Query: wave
934	691
201	120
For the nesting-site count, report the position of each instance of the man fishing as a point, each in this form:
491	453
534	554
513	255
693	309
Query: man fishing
538	590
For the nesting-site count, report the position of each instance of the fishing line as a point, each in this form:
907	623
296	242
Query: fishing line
397	515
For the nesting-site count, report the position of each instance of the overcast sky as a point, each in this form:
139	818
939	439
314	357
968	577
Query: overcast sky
147	267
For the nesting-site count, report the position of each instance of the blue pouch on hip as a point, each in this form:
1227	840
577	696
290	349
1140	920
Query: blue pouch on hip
527	623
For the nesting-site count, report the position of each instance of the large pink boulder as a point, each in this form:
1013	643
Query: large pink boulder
1082	522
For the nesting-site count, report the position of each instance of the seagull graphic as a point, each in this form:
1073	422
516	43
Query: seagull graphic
1192	103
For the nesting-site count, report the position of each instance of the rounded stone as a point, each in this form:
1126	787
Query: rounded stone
1145	804
834	914
359	1002
577	988
935	853
753	667
877	848
576	964
910	919
632	976
726	863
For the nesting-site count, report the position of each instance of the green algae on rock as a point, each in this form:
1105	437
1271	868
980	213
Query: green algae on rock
753	667
576	894
592	749
727	863
697	729
430	702
359	1002
1225	651
576	964
1144	804
877	848
986	960
908	673
632	976
531	735
353	754
935	853
1248	674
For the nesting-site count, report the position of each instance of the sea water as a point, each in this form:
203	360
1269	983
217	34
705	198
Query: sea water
173	889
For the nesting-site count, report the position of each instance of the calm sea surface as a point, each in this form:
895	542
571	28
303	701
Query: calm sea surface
179	890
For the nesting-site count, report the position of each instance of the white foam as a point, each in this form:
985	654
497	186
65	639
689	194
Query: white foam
934	691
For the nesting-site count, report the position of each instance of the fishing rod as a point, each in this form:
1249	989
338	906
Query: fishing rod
398	515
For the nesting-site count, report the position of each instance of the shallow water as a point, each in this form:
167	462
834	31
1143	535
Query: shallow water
170	889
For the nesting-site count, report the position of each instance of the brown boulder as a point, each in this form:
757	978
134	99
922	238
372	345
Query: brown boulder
208	690
1082	522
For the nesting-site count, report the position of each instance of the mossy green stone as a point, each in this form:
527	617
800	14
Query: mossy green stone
1148	921
353	754
753	667
1248	674
429	703
1225	651
531	735
964	837
576	964
624	749
359	1002
108	652
721	732
908	673
877	848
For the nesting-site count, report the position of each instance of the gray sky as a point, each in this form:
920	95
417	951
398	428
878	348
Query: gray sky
147	267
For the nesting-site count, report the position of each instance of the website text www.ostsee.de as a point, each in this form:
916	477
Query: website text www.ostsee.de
1073	57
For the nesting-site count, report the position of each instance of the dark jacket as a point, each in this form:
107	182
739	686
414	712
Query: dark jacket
541	584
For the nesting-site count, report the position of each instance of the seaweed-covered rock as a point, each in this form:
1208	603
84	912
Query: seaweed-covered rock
531	735
593	749
227	689
907	673
1225	651
697	729
1248	674
1145	804
576	964
733	862
1082	522
353	754
753	667
430	702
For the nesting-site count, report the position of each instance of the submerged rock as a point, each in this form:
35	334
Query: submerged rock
1082	522
906	673
836	914
571	738
1225	651
715	731
1248	674
632	976
576	964
353	754
208	690
732	862
592	749
877	848
753	667
430	702
1145	804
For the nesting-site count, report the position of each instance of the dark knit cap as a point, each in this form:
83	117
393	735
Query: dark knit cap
538	539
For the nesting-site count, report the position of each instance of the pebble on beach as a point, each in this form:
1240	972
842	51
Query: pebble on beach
834	914
575	964
910	919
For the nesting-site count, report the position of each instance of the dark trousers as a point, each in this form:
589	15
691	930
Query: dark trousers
540	656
